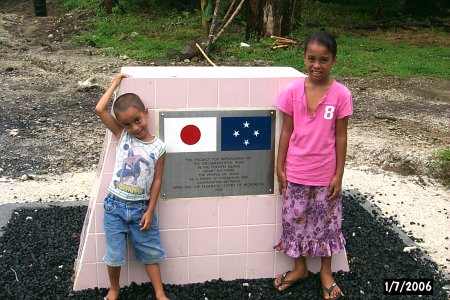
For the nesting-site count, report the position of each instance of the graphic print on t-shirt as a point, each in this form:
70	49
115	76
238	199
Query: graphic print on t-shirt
134	166
329	112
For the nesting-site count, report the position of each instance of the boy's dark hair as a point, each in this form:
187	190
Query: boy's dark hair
324	38
126	101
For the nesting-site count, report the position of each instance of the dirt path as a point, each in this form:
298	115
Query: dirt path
51	138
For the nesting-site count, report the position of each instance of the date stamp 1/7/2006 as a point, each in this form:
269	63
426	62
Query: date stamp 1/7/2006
408	286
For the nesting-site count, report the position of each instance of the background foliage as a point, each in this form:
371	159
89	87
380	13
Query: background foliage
150	29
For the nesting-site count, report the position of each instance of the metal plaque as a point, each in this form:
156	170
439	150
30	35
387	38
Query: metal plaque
218	153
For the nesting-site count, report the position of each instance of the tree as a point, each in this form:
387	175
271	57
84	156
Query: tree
216	28
422	9
270	17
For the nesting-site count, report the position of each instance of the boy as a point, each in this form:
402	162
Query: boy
134	189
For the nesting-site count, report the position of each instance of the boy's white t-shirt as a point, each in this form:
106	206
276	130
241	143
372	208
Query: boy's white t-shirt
135	167
311	156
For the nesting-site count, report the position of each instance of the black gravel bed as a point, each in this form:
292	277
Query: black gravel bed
39	246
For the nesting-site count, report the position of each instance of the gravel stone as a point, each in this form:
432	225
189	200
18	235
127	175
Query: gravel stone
39	246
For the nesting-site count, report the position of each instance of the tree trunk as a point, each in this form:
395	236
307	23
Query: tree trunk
270	17
109	4
212	29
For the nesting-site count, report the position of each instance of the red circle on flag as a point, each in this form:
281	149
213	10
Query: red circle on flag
190	134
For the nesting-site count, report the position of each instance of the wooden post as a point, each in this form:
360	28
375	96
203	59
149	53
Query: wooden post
40	8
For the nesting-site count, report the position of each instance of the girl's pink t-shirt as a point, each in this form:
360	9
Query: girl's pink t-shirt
311	156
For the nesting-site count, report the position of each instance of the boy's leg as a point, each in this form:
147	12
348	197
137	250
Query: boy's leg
327	279
114	289
154	274
115	236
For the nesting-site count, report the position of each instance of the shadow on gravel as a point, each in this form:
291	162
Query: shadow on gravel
39	246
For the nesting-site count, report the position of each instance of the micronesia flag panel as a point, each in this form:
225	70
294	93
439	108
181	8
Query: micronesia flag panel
246	133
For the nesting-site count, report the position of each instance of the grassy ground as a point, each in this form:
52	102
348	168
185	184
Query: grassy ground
151	34
439	167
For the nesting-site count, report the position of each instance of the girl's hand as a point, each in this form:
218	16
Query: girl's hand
335	188
282	183
146	221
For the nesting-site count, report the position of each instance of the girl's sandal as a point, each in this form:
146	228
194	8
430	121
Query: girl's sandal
287	283
330	290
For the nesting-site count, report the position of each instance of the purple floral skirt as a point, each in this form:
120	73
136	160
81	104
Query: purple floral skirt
311	223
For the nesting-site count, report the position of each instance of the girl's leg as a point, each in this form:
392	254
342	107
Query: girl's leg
299	272
327	279
154	274
114	290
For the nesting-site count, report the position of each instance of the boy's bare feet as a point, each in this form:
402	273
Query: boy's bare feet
161	296
113	294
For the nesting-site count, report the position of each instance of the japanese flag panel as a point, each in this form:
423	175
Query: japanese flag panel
190	134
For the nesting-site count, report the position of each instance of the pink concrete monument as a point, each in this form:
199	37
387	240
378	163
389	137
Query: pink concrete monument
219	209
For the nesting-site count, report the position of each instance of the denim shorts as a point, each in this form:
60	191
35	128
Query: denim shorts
121	220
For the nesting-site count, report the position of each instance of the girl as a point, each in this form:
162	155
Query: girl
310	164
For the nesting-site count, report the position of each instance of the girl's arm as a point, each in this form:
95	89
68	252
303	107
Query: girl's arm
146	220
285	135
341	152
106	116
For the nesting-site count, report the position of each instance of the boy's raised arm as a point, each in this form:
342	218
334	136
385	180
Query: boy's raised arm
100	109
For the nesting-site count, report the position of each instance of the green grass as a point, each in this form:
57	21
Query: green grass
365	57
82	4
439	166
152	35
139	36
